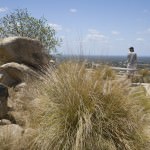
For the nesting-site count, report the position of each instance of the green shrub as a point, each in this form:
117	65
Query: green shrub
84	111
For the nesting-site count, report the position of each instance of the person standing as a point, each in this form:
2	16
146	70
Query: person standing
131	62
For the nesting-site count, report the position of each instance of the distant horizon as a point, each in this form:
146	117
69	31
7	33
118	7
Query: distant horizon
122	60
101	55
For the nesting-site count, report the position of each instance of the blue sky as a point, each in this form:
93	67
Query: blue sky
93	27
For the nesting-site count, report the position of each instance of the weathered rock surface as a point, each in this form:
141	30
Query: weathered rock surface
21	60
3	101
15	73
5	122
23	50
13	130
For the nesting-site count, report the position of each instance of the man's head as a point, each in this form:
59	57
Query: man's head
131	49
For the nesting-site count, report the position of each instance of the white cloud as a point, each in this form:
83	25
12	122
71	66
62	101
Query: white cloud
93	31
115	32
144	32
139	39
95	35
73	10
120	39
3	9
56	27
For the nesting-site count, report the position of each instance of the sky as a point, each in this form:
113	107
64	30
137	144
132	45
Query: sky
92	27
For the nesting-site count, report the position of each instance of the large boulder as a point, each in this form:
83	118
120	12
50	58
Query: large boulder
23	50
13	73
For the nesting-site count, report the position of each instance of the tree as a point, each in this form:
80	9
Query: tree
21	23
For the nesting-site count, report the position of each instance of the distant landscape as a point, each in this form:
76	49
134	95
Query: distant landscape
117	61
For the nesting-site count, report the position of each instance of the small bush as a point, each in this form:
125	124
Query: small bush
145	75
107	72
137	79
144	72
85	111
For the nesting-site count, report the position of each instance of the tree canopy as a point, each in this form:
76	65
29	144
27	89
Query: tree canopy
21	23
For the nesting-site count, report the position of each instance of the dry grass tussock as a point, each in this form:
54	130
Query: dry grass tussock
81	110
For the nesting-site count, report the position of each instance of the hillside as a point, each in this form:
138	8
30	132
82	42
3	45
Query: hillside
67	107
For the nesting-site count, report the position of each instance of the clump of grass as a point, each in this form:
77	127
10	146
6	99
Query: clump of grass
145	75
85	111
6	141
10	140
106	74
137	79
142	76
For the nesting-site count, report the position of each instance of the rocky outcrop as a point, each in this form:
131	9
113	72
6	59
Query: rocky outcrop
3	101
15	73
12	130
23	50
21	58
21	61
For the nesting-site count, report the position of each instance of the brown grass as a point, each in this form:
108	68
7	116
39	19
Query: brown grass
80	110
